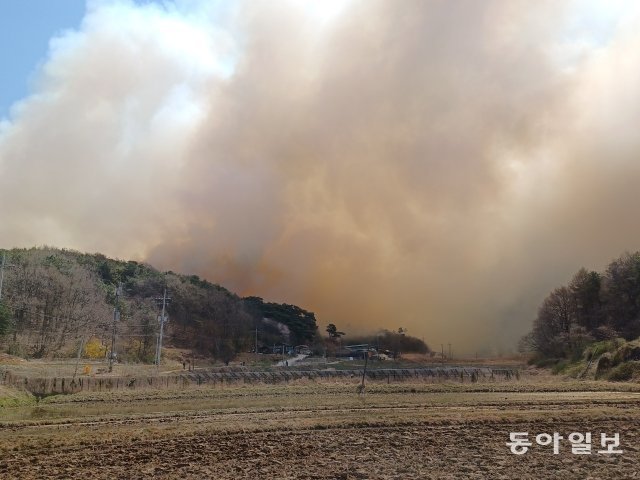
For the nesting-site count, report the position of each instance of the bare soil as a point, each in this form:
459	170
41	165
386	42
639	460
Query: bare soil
320	431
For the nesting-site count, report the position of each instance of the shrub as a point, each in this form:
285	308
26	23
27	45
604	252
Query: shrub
627	352
542	362
16	349
604	363
625	371
598	348
559	367
574	370
94	349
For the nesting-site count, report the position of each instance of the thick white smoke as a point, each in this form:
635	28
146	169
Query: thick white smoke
437	166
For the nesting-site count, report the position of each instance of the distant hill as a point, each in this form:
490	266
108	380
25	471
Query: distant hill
55	299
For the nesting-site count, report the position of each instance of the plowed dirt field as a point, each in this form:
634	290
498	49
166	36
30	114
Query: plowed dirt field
321	432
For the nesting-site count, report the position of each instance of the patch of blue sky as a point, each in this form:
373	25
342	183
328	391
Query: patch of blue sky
26	28
591	25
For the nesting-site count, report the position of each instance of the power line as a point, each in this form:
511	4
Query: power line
137	335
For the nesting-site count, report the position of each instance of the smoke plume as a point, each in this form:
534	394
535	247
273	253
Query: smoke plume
437	166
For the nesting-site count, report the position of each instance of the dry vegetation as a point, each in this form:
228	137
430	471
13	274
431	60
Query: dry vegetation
321	431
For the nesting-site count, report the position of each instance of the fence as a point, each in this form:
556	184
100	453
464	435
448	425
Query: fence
213	377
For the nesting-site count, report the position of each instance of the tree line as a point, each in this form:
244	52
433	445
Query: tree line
55	300
593	306
384	341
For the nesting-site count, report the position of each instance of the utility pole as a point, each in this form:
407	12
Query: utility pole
256	347
364	371
4	260
163	318
450	357
75	371
442	351
116	317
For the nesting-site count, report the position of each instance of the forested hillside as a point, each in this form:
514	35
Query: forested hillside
593	307
54	300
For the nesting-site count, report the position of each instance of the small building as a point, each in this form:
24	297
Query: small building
302	350
283	348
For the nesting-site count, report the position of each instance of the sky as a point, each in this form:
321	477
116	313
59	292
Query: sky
437	166
25	30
